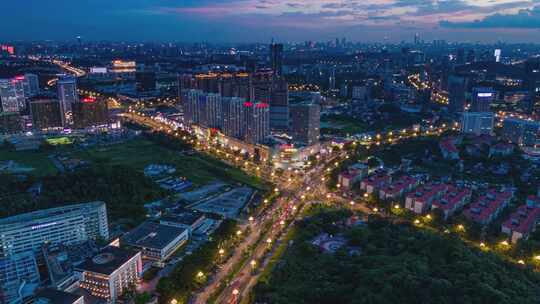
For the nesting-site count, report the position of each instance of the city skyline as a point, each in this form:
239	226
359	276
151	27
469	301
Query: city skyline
284	20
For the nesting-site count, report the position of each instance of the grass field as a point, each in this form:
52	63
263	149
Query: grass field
35	159
137	154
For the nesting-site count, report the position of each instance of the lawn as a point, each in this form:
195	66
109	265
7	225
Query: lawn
139	153
32	159
136	154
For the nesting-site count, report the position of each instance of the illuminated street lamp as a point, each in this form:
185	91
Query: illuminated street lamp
221	251
522	262
417	221
239	232
366	195
235	292
375	209
251	218
253	263
200	274
174	301
269	241
396	207
352	203
282	222
276	190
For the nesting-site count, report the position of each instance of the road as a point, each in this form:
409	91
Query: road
295	194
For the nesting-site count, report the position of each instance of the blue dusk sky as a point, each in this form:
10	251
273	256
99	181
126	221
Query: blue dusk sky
260	20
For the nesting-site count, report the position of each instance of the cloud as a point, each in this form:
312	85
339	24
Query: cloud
524	18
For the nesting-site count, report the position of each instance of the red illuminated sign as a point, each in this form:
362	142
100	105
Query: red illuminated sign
89	100
248	104
261	105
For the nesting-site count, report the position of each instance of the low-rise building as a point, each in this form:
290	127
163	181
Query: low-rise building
187	219
501	149
487	207
399	187
157	242
110	273
448	148
523	221
352	175
373	183
54	296
19	277
453	200
420	200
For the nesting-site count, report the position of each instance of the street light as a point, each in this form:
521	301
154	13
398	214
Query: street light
239	232
235	292
253	263
221	251
174	301
251	219
269	241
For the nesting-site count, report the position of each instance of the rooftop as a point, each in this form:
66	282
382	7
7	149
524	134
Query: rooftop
451	198
187	217
108	260
523	219
152	235
54	296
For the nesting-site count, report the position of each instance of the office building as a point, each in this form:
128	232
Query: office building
477	123
145	81
306	121
257	122
279	105
110	273
67	224
276	58
33	84
90	112
19	277
456	94
233	124
67	96
521	131
482	98
156	242
45	113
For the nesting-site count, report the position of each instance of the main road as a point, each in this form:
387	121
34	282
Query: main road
294	195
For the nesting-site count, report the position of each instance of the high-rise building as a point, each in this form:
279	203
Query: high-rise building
257	122
477	123
305	123
482	98
233	116
279	105
10	122
45	113
456	94
67	95
212	110
12	96
460	57
68	224
110	273
532	82
276	58
19	277
90	112
32	81
521	131
191	106
145	81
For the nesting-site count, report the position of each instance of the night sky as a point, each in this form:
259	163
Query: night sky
261	20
